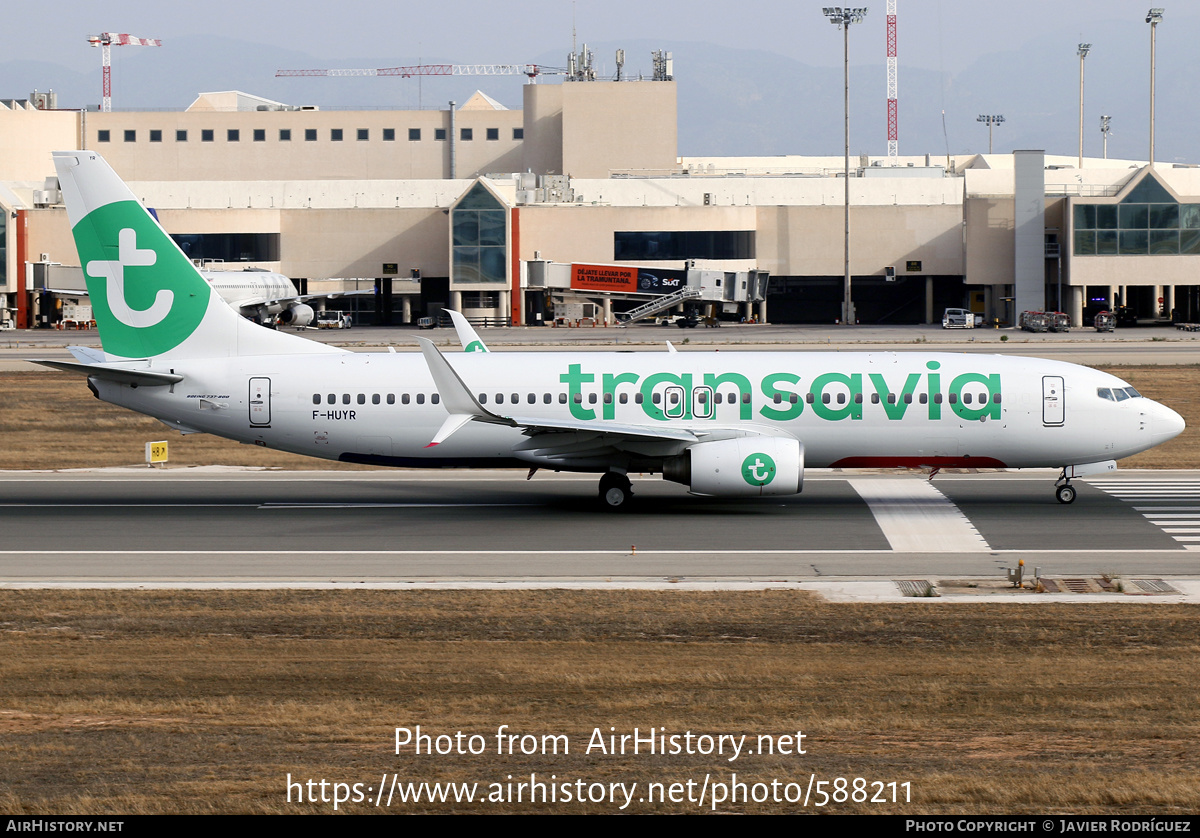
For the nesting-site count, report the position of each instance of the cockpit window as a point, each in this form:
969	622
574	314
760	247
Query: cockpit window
1120	394
1105	393
1133	394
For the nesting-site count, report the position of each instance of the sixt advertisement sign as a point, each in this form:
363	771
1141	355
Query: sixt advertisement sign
626	279
660	281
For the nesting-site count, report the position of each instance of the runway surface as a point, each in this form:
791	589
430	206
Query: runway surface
214	526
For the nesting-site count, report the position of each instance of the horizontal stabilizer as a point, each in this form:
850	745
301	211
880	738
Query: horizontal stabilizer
117	374
87	354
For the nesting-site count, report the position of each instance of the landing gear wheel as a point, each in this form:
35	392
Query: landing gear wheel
615	491
1065	493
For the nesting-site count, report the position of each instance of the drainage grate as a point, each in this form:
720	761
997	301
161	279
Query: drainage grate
1154	586
916	587
1079	586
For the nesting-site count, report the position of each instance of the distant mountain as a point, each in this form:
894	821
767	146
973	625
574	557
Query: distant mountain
731	102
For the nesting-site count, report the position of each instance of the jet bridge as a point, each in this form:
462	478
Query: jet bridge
629	293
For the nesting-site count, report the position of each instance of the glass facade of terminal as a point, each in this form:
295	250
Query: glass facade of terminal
1148	221
230	247
479	235
674	245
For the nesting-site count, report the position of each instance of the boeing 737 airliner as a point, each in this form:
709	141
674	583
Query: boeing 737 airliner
723	424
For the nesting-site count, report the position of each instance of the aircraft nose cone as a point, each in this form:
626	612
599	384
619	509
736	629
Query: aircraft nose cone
1167	423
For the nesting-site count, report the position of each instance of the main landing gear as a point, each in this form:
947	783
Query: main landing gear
1063	490
615	490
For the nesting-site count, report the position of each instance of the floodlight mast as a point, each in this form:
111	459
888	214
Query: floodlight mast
1154	18
842	18
1084	49
992	120
1105	122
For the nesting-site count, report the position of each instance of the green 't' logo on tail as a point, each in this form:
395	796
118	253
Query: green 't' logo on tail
146	296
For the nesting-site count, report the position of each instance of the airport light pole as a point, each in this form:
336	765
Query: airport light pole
1083	51
992	120
842	18
1105	121
1154	18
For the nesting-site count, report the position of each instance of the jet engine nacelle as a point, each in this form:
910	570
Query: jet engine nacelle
298	315
743	467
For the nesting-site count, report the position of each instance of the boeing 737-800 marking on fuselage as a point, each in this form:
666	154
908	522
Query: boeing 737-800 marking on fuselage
725	424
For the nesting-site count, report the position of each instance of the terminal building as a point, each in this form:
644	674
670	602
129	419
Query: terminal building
513	216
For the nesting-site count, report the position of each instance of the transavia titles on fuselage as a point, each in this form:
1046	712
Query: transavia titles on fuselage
724	424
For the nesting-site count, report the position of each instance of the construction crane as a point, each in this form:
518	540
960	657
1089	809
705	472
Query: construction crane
530	70
106	41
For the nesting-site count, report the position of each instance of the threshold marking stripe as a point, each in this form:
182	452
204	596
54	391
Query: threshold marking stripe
917	518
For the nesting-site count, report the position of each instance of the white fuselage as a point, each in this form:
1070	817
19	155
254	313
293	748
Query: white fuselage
872	409
241	288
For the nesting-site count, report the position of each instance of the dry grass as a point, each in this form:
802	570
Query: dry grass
51	421
132	702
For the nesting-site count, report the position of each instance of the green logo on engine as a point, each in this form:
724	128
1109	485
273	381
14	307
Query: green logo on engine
146	296
758	469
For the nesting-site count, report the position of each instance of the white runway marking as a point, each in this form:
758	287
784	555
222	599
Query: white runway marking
917	518
1174	520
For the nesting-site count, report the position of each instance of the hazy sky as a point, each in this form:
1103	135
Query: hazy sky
960	59
934	34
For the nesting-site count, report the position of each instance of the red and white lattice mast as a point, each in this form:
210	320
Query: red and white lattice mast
892	92
107	40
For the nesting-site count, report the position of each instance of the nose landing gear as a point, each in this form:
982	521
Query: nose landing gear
1063	490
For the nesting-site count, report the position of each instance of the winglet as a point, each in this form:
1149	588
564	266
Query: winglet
457	398
467	335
